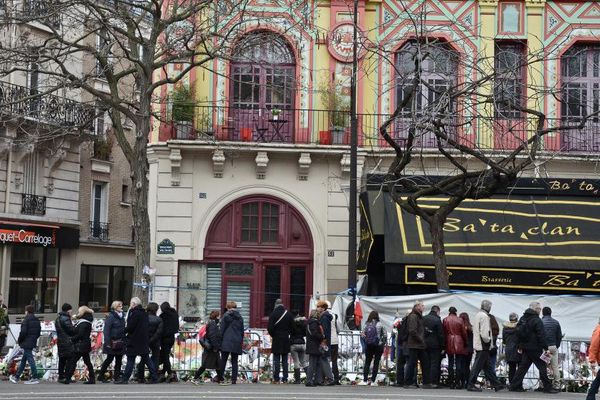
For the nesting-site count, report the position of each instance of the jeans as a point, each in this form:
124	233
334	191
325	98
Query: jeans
145	359
313	368
234	365
529	357
27	358
400	366
324	369
512	369
277	360
373	353
107	361
410	376
591	394
64	366
155	357
482	363
491	367
298	352
334	362
165	357
434	358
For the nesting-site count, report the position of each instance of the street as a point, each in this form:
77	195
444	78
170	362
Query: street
252	391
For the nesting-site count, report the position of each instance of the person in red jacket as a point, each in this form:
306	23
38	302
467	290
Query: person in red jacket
455	333
594	356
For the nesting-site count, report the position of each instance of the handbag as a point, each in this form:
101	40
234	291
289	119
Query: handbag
323	348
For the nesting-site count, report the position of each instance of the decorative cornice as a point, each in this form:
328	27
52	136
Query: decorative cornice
262	161
218	159
304	162
175	158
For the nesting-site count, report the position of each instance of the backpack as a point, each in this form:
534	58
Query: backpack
522	330
403	330
371	334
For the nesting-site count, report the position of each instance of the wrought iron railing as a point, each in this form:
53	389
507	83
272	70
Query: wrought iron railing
99	230
32	204
44	11
48	108
326	127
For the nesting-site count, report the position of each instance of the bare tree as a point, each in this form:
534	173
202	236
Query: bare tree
126	55
444	101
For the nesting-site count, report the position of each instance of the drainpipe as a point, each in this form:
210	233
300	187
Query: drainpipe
5	267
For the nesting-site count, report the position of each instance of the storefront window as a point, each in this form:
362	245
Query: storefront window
101	285
33	279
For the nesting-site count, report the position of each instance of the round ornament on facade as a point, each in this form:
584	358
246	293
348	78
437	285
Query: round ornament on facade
340	42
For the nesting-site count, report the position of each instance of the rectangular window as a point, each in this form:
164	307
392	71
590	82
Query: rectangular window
298	290
102	121
125	194
100	285
270	223
509	87
250	223
104	51
33	279
272	287
99	211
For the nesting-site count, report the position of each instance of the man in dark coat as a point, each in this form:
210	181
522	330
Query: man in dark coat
554	335
232	334
137	341
155	329
30	332
280	327
66	351
532	342
170	329
416	347
434	344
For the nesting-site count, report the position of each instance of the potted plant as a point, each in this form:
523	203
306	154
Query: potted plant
338	107
275	113
182	114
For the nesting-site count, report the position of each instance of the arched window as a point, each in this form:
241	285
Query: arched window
580	77
263	79
438	64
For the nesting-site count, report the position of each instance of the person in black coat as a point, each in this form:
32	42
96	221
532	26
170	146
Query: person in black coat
298	345
314	337
4	322
434	344
83	343
170	329
532	344
66	351
155	330
114	341
325	362
210	355
138	342
280	327
28	337
511	343
232	333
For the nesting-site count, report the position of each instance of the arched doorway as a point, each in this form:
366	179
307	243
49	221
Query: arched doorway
263	86
263	250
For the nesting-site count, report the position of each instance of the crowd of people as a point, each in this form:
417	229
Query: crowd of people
313	345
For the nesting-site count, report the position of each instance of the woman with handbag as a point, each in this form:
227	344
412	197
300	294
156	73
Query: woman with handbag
114	341
211	344
314	347
83	343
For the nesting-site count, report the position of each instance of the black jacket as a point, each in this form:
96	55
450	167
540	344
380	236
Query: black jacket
213	335
510	341
280	331
30	332
325	321
155	329
170	320
65	331
137	331
314	336
114	329
434	331
298	331
536	337
232	332
552	331
83	329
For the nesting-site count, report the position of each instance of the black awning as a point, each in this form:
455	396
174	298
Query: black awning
372	223
506	231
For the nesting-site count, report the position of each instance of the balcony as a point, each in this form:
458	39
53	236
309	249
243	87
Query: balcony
325	127
44	11
99	230
59	111
32	204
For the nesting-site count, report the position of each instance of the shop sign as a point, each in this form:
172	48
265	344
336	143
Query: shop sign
486	277
166	247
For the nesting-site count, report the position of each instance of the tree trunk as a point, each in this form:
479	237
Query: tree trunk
436	228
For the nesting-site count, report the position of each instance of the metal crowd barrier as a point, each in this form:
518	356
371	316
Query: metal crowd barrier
255	362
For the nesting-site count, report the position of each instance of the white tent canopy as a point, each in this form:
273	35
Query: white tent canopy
578	315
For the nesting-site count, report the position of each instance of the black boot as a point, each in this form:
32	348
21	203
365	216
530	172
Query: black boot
296	375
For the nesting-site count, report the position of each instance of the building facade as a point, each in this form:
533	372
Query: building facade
250	196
